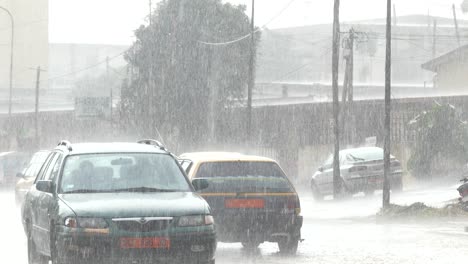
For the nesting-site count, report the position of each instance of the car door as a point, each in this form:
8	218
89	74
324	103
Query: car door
47	202
31	203
325	179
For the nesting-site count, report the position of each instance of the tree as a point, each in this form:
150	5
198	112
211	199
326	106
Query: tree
439	131
176	72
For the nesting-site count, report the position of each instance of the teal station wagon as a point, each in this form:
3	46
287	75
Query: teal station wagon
128	202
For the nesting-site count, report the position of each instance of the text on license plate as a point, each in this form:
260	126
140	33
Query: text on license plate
244	203
145	242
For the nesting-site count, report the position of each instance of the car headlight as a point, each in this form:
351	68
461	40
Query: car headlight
85	222
196	220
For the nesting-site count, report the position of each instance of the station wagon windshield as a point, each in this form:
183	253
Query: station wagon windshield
126	172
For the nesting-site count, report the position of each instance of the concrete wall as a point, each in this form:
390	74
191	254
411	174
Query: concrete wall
298	136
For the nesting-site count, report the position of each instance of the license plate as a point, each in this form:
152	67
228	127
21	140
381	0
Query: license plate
244	203
145	242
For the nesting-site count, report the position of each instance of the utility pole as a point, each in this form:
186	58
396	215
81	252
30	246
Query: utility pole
348	78
351	66
434	40
150	11
110	88
388	74
10	96
456	24
395	44
251	83
337	182
36	108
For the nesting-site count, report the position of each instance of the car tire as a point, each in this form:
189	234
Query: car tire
34	257
55	256
315	192
345	191
288	247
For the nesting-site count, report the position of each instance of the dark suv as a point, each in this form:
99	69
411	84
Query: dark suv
112	202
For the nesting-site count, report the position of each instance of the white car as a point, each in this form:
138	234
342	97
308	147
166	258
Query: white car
361	170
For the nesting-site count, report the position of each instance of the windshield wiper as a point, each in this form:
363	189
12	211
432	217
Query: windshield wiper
145	189
86	191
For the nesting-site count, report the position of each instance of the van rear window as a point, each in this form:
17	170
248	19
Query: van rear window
239	169
241	176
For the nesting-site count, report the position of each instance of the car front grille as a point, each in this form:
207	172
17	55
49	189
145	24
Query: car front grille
142	224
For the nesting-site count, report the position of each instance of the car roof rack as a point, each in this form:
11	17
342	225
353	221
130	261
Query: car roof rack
153	142
65	143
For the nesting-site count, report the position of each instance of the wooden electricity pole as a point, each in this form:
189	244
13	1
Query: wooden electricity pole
347	93
337	183
251	83
388	74
36	107
455	21
434	40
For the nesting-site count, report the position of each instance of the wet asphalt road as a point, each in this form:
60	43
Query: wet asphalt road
334	232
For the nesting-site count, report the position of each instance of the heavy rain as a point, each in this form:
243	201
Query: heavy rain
228	131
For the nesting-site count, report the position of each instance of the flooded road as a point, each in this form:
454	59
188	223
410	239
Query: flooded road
334	232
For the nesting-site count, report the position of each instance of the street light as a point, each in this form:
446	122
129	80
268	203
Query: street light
11	60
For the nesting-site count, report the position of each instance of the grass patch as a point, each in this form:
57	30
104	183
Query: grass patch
420	211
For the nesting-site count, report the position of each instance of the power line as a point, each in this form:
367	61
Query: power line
87	68
249	34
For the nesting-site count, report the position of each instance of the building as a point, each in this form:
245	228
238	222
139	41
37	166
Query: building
450	70
302	56
30	47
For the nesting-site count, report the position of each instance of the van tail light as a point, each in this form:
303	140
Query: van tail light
357	168
293	204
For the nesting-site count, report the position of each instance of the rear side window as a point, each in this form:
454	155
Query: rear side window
239	169
44	167
242	176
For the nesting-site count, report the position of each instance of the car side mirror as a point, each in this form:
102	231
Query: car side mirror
200	184
45	186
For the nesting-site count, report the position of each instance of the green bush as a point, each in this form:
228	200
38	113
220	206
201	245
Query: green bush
440	132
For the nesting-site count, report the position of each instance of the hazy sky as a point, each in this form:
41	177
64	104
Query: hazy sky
113	21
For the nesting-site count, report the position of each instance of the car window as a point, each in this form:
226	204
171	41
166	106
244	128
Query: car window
43	169
48	175
365	154
115	172
244	176
54	167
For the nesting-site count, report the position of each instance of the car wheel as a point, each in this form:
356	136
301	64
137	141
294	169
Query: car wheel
33	256
345	191
55	255
315	192
288	247
251	245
